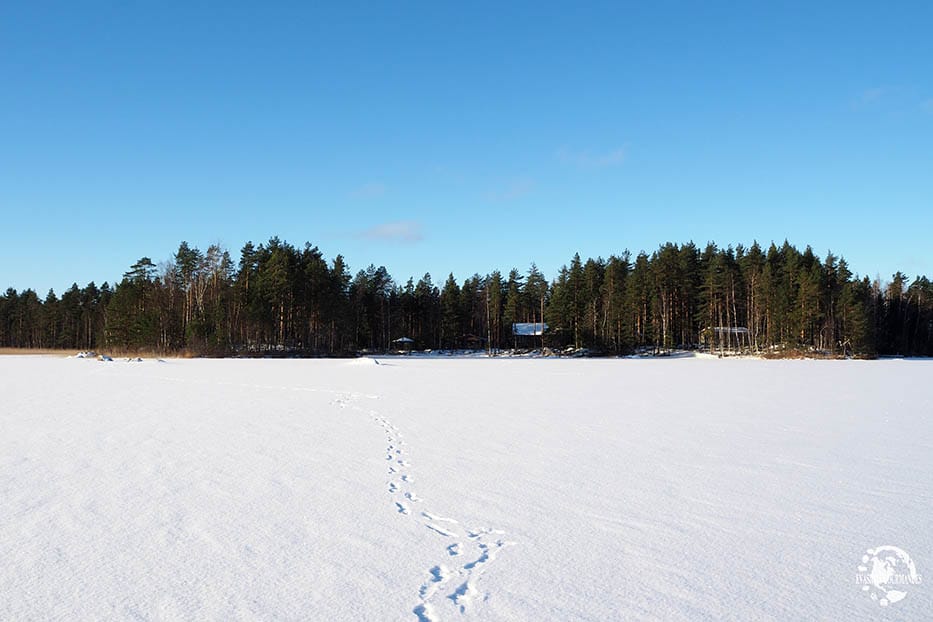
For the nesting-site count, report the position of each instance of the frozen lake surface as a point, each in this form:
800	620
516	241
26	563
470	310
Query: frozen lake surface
684	489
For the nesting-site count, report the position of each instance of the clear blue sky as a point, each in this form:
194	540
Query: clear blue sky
461	137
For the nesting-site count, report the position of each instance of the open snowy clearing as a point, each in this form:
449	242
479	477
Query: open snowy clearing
683	489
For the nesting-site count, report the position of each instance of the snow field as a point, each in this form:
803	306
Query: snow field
685	489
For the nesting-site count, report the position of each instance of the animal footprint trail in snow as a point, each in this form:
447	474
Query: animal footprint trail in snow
478	547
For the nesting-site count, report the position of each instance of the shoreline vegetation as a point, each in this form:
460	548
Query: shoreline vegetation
282	300
141	355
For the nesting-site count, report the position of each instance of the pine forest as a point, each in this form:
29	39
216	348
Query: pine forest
279	298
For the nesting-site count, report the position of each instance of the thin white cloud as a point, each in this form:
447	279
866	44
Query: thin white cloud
589	159
402	232
370	190
902	99
872	95
514	189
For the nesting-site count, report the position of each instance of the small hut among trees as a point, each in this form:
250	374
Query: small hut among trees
403	344
528	334
726	339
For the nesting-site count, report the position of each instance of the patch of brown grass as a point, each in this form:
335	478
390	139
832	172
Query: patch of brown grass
44	351
112	352
797	353
120	353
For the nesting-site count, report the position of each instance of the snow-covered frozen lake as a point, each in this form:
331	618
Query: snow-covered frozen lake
684	489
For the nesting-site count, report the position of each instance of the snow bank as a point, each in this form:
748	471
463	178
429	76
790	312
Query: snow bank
363	361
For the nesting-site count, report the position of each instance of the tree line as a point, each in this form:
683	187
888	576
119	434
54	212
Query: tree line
277	297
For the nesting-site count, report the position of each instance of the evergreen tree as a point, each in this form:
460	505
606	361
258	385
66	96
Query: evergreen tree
515	304
450	313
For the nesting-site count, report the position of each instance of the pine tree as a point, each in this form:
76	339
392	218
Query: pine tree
515	303
427	302
450	313
495	300
617	333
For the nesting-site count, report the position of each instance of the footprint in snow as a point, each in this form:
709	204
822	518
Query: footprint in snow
424	612
482	559
463	595
439	575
